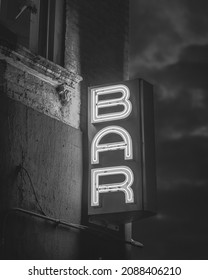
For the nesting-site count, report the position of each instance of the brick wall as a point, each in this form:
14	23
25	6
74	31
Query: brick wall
48	137
97	43
41	156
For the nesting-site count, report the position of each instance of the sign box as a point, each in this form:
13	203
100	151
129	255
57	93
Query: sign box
122	180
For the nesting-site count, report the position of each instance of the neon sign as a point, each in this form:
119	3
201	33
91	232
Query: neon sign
119	123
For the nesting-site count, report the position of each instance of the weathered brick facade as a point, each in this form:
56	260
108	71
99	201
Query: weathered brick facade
43	131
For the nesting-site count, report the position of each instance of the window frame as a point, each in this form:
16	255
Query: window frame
46	32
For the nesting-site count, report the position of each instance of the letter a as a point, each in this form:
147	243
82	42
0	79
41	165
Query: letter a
126	144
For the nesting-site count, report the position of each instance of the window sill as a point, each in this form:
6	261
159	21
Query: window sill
40	84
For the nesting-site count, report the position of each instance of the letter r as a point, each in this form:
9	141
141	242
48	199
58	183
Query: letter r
124	186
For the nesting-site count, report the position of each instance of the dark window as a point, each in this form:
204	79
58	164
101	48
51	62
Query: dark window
38	25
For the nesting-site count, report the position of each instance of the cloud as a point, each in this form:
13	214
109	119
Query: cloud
183	115
182	162
162	29
198	97
200	131
170	50
180	228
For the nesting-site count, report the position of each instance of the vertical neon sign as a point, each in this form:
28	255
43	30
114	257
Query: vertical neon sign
117	159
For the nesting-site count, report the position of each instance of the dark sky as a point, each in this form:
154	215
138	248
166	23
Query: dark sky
169	48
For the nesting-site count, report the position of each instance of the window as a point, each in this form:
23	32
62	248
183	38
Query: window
38	25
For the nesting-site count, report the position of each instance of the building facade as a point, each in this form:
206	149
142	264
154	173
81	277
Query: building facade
50	53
